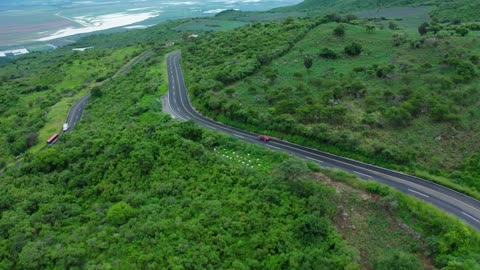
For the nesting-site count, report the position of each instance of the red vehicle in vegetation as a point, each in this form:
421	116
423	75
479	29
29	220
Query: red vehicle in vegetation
264	138
53	138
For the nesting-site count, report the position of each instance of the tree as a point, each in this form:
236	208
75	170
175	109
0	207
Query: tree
293	169
50	160
190	131
96	92
392	25
435	28
32	139
398	116
311	228
399	39
353	49
33	256
440	112
383	71
465	71
339	31
370	28
328	53
308	62
462	31
120	213
423	28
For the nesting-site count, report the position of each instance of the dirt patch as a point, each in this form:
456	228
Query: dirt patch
367	223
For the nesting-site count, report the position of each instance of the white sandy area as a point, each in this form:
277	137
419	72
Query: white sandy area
104	22
214	11
141	26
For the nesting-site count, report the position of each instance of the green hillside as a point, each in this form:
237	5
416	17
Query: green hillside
465	10
405	101
131	188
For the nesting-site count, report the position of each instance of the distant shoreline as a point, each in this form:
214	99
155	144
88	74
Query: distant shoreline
104	22
31	25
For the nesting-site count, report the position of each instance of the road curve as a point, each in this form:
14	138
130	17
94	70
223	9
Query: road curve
76	112
453	202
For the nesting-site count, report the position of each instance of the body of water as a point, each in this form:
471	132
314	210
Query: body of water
26	21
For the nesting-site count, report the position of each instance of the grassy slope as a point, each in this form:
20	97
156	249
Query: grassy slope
234	216
61	218
464	10
65	76
68	76
446	152
193	206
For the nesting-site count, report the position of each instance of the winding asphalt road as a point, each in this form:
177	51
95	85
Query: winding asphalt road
76	111
455	203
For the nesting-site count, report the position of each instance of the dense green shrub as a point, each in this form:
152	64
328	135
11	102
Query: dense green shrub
397	260
423	28
120	213
328	53
462	31
339	30
353	49
398	116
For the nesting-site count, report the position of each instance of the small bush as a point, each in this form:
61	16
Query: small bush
397	260
462	31
339	31
353	49
398	116
384	71
328	54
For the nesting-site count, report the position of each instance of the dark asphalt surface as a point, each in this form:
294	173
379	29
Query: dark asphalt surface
76	112
453	202
140	59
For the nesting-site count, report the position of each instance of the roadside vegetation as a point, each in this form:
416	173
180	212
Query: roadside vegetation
32	89
403	99
132	188
442	11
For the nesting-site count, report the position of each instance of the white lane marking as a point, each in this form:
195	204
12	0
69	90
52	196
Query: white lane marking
419	193
366	175
471	217
238	136
274	147
313	159
393	178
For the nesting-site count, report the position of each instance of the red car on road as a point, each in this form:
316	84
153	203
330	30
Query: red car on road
264	138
